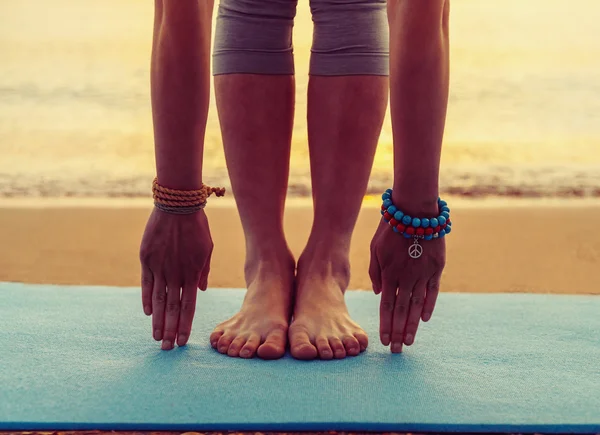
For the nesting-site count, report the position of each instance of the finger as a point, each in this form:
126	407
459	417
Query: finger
400	315
386	310
433	289
203	282
375	273
415	310
147	285
171	316
159	298
186	313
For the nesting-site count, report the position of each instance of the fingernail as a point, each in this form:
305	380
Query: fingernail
157	334
409	339
167	345
245	353
385	338
147	310
396	347
426	317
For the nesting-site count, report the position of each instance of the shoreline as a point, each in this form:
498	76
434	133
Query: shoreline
497	246
27	202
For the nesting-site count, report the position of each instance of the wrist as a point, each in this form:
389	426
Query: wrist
189	179
416	202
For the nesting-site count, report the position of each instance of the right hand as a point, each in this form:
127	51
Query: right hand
175	255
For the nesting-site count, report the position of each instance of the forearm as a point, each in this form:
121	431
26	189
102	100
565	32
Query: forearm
419	65
180	83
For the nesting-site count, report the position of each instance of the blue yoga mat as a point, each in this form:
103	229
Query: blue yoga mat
82	358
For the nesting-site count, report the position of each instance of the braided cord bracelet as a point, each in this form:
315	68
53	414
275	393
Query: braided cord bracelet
417	228
182	201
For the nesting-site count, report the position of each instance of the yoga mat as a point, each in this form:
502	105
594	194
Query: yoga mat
82	358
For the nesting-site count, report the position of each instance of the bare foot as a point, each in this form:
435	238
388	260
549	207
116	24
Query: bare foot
260	328
322	327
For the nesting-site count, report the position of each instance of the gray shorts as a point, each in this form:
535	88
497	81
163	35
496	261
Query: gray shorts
255	37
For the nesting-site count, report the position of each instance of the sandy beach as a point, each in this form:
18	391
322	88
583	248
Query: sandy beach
535	246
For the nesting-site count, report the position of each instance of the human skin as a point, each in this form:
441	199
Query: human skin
419	81
175	250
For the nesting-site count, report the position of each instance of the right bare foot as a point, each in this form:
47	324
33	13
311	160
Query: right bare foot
260	328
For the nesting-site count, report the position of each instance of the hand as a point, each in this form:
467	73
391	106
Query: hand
410	286
175	256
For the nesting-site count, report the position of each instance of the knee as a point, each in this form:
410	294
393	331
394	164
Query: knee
350	37
426	16
244	44
180	12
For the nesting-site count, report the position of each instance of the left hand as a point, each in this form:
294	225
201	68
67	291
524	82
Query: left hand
409	286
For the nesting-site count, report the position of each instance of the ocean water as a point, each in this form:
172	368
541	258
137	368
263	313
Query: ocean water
523	119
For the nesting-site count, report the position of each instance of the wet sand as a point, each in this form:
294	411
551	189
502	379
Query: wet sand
496	245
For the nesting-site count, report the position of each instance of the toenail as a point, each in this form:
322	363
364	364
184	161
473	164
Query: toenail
223	349
396	347
147	310
157	334
167	345
385	337
409	338
245	352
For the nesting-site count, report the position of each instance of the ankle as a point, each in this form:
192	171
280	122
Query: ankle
326	263
269	260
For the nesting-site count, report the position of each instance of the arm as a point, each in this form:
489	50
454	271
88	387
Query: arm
180	83
419	65
176	249
419	96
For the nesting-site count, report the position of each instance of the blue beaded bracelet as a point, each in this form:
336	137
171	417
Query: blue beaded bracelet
417	228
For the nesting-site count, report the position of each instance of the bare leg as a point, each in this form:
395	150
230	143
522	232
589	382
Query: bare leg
256	114
345	115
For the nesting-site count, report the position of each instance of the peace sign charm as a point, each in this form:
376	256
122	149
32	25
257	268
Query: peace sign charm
415	250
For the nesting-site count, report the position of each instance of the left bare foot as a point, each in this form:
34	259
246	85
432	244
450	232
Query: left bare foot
321	326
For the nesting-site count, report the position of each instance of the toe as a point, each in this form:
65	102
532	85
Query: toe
325	351
363	340
249	349
215	336
301	347
274	345
236	345
352	346
224	342
337	347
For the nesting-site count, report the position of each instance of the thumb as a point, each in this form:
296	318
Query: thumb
375	273
203	281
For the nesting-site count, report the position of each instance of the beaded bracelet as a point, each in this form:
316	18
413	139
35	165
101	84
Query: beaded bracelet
417	228
182	201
